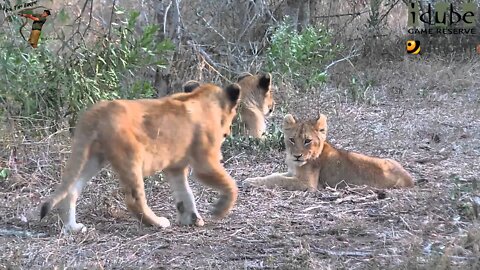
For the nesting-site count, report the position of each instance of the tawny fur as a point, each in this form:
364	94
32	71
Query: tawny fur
312	162
256	102
141	137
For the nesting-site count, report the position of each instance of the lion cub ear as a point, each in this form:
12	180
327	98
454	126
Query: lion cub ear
321	123
233	93
265	81
190	86
288	121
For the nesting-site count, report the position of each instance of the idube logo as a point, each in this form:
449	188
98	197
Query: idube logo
443	18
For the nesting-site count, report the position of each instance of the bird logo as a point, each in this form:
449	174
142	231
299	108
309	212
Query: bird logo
413	46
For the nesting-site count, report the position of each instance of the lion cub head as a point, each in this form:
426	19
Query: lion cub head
228	100
257	92
304	140
256	101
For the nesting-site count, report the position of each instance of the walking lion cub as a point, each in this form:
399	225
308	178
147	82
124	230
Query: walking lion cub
312	161
141	137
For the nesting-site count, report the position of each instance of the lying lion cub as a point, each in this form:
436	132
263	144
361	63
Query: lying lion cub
312	161
256	101
141	137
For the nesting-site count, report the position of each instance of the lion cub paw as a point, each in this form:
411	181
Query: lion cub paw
252	182
162	222
74	228
190	219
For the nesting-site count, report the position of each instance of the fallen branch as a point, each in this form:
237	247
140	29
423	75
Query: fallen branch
342	253
341	60
239	238
354	14
315	207
21	233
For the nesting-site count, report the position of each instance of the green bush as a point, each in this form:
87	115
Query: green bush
38	83
273	139
301	56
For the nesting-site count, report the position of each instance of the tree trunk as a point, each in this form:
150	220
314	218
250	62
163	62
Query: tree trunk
167	15
299	13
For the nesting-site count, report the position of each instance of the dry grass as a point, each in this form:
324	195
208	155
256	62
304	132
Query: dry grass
422	112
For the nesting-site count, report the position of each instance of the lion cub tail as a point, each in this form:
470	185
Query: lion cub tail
73	170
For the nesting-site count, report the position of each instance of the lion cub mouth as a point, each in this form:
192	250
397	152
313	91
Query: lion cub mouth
297	161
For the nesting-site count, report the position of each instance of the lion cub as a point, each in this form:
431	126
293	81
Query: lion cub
312	161
256	101
141	137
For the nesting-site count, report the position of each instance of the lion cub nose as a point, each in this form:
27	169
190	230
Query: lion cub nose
298	156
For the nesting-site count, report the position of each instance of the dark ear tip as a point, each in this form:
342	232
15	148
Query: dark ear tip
190	86
265	79
233	92
234	87
267	76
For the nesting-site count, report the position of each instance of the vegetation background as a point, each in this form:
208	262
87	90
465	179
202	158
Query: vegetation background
346	59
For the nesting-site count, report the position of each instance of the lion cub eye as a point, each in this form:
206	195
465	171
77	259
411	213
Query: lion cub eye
322	130
307	141
292	140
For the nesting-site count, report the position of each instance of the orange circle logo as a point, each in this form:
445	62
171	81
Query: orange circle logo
478	48
413	46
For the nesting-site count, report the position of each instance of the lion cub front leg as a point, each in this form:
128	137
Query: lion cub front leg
277	180
208	170
187	213
289	181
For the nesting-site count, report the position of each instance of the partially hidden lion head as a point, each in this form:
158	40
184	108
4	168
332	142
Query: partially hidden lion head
256	101
304	140
257	92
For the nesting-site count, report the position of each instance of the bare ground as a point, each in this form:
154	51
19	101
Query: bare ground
423	113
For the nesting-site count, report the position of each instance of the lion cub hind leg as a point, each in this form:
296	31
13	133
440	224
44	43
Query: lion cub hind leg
278	180
398	176
187	213
211	173
77	174
68	205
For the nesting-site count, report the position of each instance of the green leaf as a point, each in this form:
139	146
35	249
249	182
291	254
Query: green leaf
62	16
132	19
4	173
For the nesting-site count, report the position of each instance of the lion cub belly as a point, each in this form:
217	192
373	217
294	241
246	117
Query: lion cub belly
164	158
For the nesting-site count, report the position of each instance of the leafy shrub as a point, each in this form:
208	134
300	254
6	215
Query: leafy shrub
273	139
40	84
301	56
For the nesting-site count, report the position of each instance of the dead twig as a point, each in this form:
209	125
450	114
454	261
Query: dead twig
21	233
315	207
339	253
